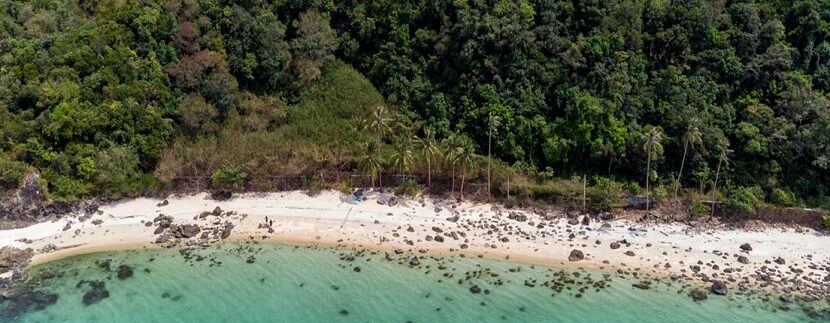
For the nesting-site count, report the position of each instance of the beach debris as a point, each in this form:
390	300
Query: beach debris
746	247
475	289
576	255
68	226
719	288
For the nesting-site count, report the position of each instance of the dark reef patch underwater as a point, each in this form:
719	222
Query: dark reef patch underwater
221	283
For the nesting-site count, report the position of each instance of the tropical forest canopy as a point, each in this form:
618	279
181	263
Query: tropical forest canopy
117	96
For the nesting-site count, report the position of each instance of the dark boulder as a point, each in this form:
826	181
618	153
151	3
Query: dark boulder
719	288
475	289
746	247
414	261
779	261
586	220
186	230
221	195
226	230
743	259
217	211
629	253
615	245
576	255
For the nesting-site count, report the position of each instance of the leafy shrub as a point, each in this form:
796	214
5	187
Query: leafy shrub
12	173
407	188
228	177
660	192
699	208
345	187
826	221
744	200
781	197
67	188
634	188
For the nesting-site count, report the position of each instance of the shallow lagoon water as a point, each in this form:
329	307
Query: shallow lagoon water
309	284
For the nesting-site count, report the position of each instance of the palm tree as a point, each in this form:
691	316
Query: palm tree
690	138
401	157
465	152
430	149
371	162
379	123
450	146
493	123
652	147
723	157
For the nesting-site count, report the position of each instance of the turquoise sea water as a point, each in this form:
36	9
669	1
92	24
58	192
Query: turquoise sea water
307	284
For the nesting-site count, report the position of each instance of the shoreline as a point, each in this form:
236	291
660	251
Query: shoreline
441	227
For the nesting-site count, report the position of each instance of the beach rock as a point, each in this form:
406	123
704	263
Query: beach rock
576	255
414	261
97	221
96	294
573	221
221	195
615	245
13	258
163	238
475	289
158	230
629	253
698	295
217	211
226	230
746	247
438	238
642	285
586	220
719	288
743	259
453	218
163	203
124	272
779	261
251	259
392	201
186	230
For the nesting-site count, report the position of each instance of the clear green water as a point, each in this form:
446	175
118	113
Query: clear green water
304	284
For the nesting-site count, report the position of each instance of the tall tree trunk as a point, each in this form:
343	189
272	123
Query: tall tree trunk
489	160
648	176
715	187
452	189
429	173
463	175
677	184
380	180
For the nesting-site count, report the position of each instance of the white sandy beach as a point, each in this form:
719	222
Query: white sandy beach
333	219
